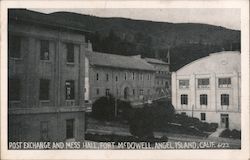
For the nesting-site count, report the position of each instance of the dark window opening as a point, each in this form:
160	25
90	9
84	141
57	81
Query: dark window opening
184	99
203	116
225	99
14	46
97	76
203	99
107	77
44	89
14	88
70	90
107	92
70	52
70	128
44	50
224	82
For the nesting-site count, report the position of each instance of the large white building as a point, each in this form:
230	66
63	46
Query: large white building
209	89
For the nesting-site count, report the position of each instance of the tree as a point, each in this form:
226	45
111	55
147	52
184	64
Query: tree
103	108
151	117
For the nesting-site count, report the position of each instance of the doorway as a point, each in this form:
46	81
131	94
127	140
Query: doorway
224	121
126	93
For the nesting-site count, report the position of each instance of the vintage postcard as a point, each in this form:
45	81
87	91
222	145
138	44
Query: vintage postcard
125	79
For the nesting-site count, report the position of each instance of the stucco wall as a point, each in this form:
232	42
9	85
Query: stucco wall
213	67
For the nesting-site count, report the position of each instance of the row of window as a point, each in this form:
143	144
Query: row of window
44	89
204	83
203	99
14	47
133	76
162	72
107	91
202	115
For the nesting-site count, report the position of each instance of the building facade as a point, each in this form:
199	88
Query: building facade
209	89
162	84
125	77
45	78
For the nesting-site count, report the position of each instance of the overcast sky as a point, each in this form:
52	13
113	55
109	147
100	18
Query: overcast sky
226	17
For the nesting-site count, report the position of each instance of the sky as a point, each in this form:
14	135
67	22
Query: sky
225	17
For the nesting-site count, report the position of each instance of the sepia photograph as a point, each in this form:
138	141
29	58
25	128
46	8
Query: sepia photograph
115	79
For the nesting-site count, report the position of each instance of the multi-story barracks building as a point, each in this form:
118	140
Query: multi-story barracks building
45	78
128	78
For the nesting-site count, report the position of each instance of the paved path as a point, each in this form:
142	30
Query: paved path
217	132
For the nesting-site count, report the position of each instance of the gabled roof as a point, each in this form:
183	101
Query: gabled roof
156	61
118	61
28	16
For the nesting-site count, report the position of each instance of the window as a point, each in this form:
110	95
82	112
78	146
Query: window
148	76
183	113
14	46
162	82
14	88
116	78
224	82
44	131
125	76
203	99
97	91
107	77
133	91
166	84
183	84
133	75
97	76
44	50
184	99
70	52
70	128
107	92
203	83
141	91
203	116
70	89
44	89
225	99
141	76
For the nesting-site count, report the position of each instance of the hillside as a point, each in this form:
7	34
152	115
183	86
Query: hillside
185	41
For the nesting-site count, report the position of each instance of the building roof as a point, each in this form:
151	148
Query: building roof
118	61
29	16
153	60
220	62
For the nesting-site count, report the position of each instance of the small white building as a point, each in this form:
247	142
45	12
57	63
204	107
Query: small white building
209	89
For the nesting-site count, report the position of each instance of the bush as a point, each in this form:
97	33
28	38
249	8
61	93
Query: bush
144	121
186	121
104	108
227	133
124	109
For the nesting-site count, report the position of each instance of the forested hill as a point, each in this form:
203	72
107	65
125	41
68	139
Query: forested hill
186	42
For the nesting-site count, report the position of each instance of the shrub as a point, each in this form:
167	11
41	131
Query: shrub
227	133
144	121
104	108
186	121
